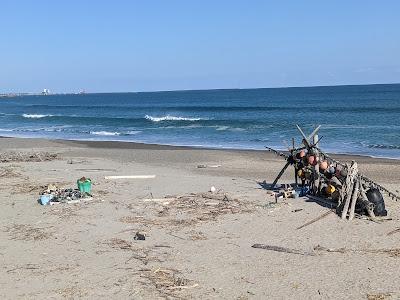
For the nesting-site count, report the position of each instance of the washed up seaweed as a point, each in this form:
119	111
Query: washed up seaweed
14	156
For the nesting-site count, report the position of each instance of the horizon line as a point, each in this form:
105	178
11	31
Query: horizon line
197	90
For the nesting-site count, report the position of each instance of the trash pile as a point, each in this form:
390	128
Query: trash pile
53	194
326	179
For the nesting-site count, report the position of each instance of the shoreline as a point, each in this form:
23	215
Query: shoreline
121	145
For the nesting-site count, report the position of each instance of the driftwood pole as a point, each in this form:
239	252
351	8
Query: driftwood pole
316	167
354	198
295	168
348	187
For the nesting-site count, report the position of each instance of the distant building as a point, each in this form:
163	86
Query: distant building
46	92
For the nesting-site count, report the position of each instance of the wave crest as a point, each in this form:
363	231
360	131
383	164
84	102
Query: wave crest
170	118
35	116
105	133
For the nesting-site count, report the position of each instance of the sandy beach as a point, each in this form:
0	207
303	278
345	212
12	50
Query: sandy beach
195	247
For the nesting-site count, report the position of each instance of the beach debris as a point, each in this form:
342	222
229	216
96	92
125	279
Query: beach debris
139	236
392	252
164	201
282	249
84	185
379	296
190	209
14	156
52	195
285	192
316	219
168	282
28	232
9	172
130	177
324	178
208	166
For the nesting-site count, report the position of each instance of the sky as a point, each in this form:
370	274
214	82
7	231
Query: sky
127	46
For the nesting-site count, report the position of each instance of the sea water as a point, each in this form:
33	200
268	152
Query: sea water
362	119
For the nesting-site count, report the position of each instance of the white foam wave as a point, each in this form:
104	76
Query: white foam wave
105	133
222	128
169	118
35	116
132	132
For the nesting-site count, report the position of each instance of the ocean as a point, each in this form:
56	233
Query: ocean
362	119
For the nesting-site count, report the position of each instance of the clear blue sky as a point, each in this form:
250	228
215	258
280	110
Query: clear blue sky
150	45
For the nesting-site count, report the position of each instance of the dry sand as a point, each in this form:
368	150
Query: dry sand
195	247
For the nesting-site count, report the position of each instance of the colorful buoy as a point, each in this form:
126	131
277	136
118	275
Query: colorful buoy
312	160
330	189
323	165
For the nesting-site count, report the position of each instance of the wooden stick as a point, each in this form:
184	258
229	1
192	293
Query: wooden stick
316	167
354	200
158	199
349	186
347	202
131	177
305	140
280	174
282	249
315	220
313	134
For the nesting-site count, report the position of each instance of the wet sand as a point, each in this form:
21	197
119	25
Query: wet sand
194	248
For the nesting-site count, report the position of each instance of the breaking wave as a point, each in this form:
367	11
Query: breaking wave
105	133
35	116
170	118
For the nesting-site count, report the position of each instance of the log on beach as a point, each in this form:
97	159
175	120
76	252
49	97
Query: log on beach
282	249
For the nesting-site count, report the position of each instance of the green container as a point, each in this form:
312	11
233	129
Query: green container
84	186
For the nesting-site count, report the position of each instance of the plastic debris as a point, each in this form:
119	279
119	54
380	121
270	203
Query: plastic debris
139	236
54	195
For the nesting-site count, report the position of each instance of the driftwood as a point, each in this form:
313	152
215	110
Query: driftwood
354	199
315	220
348	187
365	179
393	252
316	167
131	177
351	186
282	249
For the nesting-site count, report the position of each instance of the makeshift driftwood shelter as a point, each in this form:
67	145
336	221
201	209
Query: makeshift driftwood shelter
326	178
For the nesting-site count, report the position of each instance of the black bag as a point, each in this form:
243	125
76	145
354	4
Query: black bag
374	196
